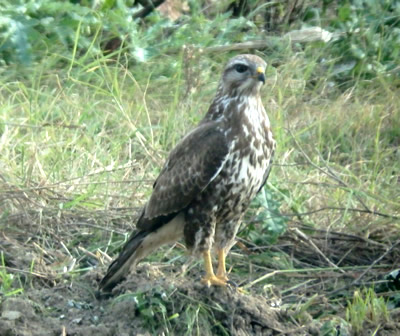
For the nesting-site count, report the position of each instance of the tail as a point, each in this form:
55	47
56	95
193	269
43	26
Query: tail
138	247
120	266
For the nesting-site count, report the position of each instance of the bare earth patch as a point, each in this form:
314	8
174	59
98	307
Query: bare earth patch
300	285
158	299
74	309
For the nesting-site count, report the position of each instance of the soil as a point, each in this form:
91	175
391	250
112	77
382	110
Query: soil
73	309
157	299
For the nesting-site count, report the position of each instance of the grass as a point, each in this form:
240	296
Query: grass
366	306
81	145
7	287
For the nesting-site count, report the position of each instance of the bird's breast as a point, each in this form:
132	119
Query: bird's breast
244	170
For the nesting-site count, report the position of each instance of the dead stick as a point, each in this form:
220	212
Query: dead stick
303	236
357	281
257	44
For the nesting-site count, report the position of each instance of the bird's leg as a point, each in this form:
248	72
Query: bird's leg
210	278
221	271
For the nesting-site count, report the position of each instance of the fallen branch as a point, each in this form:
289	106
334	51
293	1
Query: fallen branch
311	34
257	44
357	281
304	237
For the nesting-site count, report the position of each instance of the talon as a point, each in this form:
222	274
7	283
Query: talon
233	284
213	281
210	279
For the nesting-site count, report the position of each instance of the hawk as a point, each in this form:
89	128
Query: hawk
209	178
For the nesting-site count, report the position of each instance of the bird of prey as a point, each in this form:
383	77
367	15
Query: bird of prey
209	178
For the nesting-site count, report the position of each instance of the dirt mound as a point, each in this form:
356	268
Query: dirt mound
301	285
148	301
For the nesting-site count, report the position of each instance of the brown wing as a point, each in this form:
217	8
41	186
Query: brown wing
191	166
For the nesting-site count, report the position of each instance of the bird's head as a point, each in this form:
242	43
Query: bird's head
243	75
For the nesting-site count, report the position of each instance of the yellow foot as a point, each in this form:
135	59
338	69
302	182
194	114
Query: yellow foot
222	277
221	271
209	280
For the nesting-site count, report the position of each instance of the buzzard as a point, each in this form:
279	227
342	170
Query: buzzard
209	178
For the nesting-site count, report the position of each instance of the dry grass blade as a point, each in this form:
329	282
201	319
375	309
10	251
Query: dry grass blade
329	172
36	274
83	138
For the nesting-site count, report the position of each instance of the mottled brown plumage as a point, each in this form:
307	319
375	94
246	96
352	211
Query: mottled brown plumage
209	178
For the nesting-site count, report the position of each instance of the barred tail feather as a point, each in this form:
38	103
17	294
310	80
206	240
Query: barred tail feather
120	266
138	247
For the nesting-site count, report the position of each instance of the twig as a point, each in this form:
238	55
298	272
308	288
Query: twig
303	236
305	35
343	234
357	281
257	44
66	248
105	255
298	214
372	212
88	253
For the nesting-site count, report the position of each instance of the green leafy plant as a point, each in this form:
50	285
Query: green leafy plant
29	28
369	38
152	307
334	327
266	222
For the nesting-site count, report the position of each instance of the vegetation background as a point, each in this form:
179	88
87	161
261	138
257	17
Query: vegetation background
94	94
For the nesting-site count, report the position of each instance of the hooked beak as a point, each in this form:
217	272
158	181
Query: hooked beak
260	74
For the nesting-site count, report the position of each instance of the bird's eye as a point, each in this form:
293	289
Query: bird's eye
241	68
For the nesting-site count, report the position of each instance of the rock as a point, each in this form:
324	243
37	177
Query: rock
11	315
